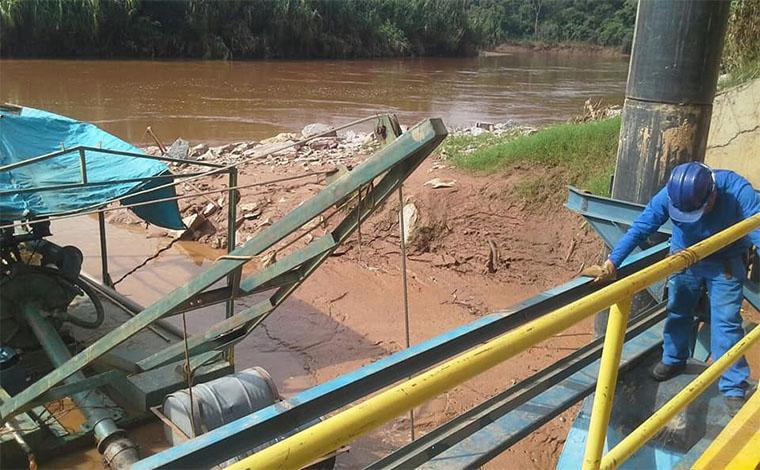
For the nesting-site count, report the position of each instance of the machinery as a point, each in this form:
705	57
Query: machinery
65	334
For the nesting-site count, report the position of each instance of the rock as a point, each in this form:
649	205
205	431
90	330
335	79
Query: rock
324	143
197	226
193	222
179	149
444	260
210	209
436	183
209	155
411	218
241	147
280	138
223	148
488	126
476	131
250	152
199	149
317	128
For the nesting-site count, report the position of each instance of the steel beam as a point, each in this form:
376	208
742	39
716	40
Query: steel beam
267	424
569	381
612	217
415	144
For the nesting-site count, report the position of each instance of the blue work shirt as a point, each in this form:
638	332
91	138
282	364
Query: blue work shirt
735	202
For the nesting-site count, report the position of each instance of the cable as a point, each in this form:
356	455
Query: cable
173	198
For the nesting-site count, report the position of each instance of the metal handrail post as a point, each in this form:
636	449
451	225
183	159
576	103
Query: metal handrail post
233	279
103	250
83	165
647	430
605	384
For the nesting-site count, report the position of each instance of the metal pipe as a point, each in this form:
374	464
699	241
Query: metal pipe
233	279
605	383
660	418
103	251
57	153
89	210
116	448
302	448
90	184
130	306
673	72
405	282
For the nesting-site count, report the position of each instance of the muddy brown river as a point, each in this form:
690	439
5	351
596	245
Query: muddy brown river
230	101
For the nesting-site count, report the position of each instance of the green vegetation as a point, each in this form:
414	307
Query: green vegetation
581	154
300	28
741	53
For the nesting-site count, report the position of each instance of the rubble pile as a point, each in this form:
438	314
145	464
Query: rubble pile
206	215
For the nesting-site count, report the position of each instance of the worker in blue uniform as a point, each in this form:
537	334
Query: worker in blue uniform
701	202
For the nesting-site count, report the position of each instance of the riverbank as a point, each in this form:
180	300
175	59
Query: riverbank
569	48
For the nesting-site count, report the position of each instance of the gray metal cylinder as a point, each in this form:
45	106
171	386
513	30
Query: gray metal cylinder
218	402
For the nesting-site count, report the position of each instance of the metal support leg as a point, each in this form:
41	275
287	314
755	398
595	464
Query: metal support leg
104	251
233	280
117	449
605	385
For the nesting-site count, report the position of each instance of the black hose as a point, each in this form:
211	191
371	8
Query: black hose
100	314
83	287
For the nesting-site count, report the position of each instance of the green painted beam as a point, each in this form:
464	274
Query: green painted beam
415	144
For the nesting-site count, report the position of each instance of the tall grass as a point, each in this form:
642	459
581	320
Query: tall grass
581	154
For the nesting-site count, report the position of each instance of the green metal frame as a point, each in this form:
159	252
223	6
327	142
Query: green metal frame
392	165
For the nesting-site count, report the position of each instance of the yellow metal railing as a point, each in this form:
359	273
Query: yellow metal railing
308	445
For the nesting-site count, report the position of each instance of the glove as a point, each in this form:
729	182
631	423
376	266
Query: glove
603	273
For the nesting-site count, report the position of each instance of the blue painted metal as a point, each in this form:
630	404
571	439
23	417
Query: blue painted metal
612	217
495	437
234	438
636	398
505	407
607	209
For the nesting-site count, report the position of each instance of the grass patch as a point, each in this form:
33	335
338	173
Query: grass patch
743	73
581	154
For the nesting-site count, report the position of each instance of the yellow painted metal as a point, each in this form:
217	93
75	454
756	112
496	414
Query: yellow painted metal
322	438
737	447
605	384
660	418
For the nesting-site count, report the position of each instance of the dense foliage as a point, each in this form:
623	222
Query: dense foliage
301	28
741	53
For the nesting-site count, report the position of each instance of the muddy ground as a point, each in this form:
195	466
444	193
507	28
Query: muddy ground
474	249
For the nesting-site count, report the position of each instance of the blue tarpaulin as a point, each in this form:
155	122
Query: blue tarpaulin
26	133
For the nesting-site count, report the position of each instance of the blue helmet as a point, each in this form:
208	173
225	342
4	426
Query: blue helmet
689	189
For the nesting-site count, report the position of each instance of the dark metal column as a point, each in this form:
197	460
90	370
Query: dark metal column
674	68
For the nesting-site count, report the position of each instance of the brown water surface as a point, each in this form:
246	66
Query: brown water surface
231	101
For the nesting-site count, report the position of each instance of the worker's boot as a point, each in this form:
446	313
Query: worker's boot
734	404
662	372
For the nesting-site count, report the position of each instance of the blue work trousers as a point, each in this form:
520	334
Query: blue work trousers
724	281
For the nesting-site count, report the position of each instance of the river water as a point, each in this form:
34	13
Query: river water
233	101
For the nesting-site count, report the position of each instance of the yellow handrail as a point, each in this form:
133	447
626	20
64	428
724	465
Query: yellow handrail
633	441
327	436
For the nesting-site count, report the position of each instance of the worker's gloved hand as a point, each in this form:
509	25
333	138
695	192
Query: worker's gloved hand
603	273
